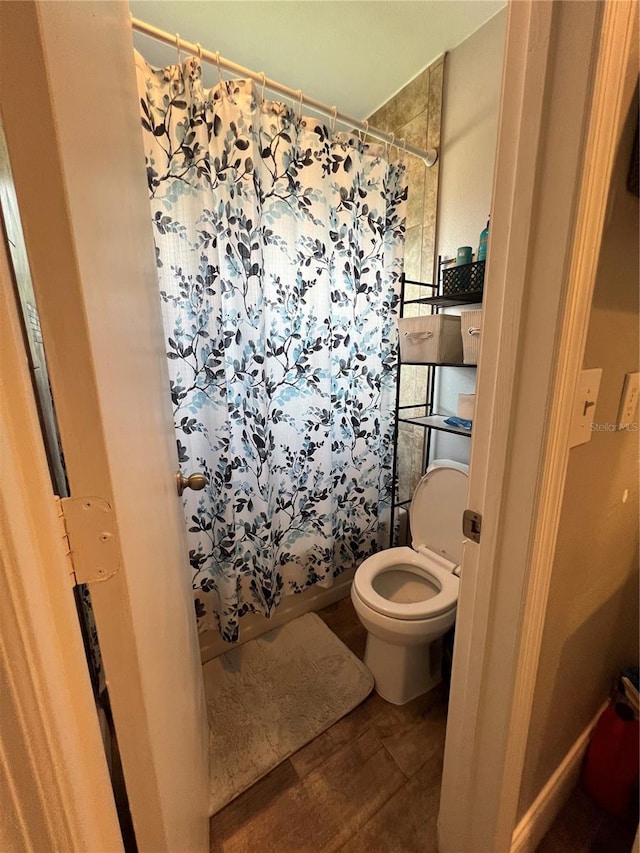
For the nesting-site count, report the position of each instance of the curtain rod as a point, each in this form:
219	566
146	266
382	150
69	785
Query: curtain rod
429	156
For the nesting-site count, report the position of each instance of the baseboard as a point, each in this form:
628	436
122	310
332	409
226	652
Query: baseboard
253	625
538	819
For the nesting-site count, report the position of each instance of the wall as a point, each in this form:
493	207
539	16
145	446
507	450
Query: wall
471	102
414	114
452	105
591	623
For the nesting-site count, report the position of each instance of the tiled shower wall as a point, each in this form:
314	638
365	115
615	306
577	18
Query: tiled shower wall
414	114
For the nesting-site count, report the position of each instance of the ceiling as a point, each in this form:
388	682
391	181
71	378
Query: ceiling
352	53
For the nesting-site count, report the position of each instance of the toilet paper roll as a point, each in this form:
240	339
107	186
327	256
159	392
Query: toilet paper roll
466	406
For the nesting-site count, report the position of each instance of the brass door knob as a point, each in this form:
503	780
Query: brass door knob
193	481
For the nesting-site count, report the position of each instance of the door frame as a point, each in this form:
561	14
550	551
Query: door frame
547	220
53	770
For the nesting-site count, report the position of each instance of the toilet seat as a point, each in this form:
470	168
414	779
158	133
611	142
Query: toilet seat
436	513
406	559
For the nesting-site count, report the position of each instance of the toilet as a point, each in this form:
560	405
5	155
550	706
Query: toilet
406	597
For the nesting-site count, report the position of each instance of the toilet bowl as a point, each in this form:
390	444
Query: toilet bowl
406	597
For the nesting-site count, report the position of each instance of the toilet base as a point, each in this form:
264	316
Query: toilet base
402	672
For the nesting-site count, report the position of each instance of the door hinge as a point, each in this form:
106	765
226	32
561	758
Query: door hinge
472	525
90	539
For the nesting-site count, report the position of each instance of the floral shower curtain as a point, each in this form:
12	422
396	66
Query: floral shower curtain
279	252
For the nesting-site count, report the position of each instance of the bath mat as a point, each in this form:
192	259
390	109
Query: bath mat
268	698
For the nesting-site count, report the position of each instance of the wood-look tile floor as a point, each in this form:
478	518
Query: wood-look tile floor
583	827
369	783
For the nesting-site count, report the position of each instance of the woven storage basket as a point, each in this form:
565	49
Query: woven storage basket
471	329
434	338
463	280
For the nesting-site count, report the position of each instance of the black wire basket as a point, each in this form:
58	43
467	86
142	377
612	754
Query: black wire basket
463	280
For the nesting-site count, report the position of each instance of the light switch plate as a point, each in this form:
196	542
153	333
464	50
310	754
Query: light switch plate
629	400
584	406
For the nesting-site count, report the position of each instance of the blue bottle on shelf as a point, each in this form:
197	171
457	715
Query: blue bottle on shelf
482	248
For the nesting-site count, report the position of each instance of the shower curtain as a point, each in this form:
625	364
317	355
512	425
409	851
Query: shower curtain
279	250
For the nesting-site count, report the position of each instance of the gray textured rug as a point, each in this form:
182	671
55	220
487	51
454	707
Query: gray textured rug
271	696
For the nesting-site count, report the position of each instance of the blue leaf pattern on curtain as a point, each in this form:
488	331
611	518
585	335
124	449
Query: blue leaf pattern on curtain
279	251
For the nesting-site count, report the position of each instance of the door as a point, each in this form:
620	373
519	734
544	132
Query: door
565	66
54	781
69	110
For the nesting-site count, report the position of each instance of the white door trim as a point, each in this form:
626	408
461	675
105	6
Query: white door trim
54	781
546	231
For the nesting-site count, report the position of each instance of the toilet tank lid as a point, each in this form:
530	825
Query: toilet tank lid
436	509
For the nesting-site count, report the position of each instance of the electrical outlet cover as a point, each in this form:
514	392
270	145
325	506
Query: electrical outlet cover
629	400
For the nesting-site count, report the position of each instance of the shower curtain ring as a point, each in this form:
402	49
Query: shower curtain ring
334	110
220	81
178	47
264	83
363	133
199	49
404	149
391	143
300	99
